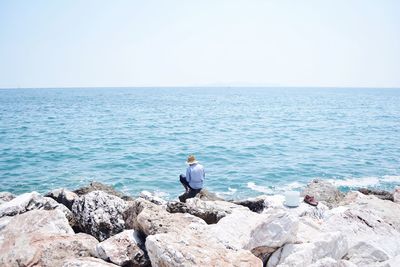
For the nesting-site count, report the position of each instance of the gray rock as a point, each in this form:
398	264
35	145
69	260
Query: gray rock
382	194
323	191
207	195
124	249
63	196
100	214
134	207
396	195
152	198
254	204
5	197
87	262
96	186
210	211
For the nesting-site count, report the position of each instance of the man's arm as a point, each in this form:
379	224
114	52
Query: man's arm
188	178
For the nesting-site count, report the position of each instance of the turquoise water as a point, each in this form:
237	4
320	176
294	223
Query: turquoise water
251	141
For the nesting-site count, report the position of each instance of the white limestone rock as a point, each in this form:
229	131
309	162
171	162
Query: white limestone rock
32	201
255	232
323	191
123	249
366	254
367	218
333	245
5	197
87	262
329	262
100	214
195	249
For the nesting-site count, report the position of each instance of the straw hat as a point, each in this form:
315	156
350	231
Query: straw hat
191	160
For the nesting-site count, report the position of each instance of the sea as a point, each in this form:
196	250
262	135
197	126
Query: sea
251	141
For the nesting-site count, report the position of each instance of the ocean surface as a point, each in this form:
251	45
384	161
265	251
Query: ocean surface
251	141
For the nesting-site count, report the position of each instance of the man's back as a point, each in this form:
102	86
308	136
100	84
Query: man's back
195	176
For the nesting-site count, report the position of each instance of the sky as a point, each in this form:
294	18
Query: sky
95	43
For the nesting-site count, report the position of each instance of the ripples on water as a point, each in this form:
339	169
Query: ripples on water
249	140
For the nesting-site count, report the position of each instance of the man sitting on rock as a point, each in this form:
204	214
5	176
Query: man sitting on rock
193	181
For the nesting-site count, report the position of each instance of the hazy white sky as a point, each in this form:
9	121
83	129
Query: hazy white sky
185	43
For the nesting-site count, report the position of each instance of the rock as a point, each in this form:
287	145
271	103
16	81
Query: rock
384	195
87	262
364	220
207	195
195	249
210	211
5	197
366	254
255	232
96	186
393	262
153	221
396	195
100	214
123	249
323	191
42	238
254	204
134	208
154	199
329	262
333	245
33	201
63	196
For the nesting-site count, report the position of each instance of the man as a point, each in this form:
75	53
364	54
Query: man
193	181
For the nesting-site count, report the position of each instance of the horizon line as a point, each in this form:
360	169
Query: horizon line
198	86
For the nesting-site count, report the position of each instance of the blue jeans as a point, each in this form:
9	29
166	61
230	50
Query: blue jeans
190	192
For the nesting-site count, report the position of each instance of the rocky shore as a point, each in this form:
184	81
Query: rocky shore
98	226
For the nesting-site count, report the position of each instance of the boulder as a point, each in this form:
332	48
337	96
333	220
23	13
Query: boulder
207	195
365	253
256	232
136	206
96	186
33	201
396	195
323	191
152	198
210	211
382	194
5	197
329	262
254	204
393	262
100	214
364	222
87	262
333	245
195	249
123	249
42	238
63	196
153	221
